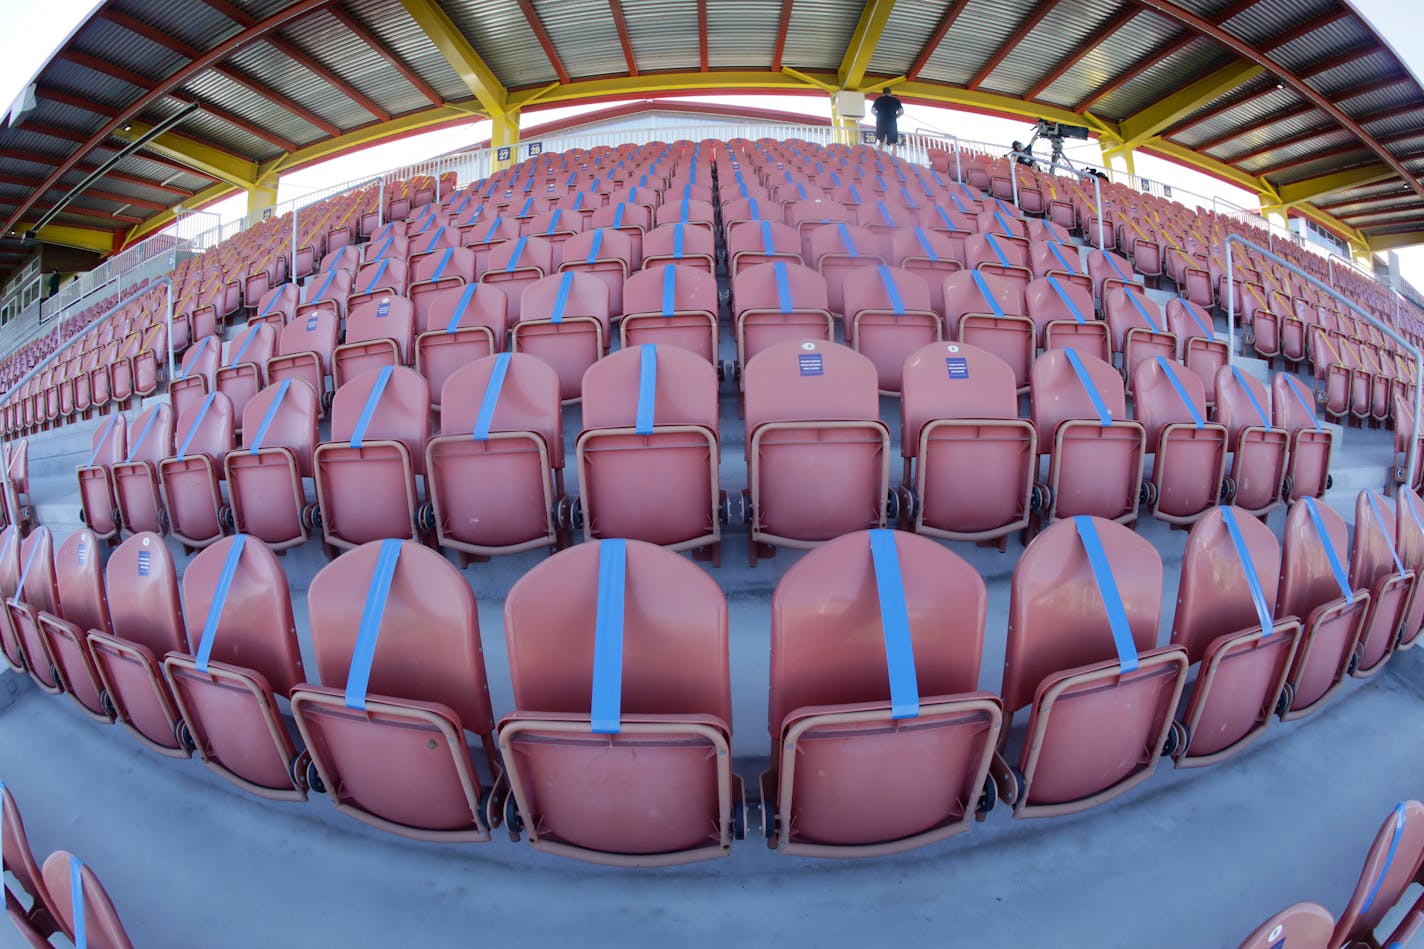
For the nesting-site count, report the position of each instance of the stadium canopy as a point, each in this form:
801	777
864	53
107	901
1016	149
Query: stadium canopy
156	104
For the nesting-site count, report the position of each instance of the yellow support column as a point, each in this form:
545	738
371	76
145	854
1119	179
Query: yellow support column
846	125
260	198
504	139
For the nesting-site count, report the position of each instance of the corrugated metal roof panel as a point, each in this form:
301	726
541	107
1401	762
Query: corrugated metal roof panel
1261	22
501	34
1161	79
1326	147
1058	34
906	33
248	104
1387	98
1354	72
741	34
297	81
119	47
583	33
663	33
388	21
1144	32
981	29
819	33
1329	40
196	24
327	44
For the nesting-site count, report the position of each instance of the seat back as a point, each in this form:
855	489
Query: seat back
953	381
1375	552
38	587
527	400
443	263
391	403
1242	401
19	860
315	331
887	289
779	286
1394	861
283	415
142	583
87	900
205	428
650	385
685	289
562	296
460	307
1215	596
680	243
154	439
972	291
1060	392
1292	404
1310	575
810	381
79	574
1301	924
1166	392
110	441
382	317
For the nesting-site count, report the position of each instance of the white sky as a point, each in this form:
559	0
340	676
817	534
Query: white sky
30	31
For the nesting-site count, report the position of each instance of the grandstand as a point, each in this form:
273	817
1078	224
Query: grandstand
697	524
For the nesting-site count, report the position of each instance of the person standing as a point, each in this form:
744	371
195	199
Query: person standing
887	110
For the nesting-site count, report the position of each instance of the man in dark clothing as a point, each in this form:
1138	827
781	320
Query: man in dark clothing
887	110
1020	155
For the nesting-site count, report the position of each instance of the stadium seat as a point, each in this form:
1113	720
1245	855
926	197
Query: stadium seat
1202	352
43	917
1301	924
928	253
818	456
465	322
1063	317
79	573
245	371
974	460
564	320
395	632
606	254
36	592
136	477
674	304
1409	537
880	743
1258	450
142	585
988	310
264	476
618	658
1189	453
842	254
1375	566
304	351
379	332
102	928
1083	615
446	268
515	265
1393	864
888	316
97	501
685	245
1224	621
238	615
760	241
779	302
1308	474
1138	328
191	478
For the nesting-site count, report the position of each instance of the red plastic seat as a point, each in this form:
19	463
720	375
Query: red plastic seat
304	350
760	241
556	227
974	460
35	592
1409	538
649	452
928	253
96	483
1095	455
675	305
147	625
880	739
1301	924
1375	565
605	254
238	615
465	322
619	750
1063	317
988	310
818	456
264	476
43	917
888	316
102	927
1394	862
629	217
843	254
1189	452
1108	270
396	635
365	475
1138	328
1058	258
680	244
136	477
515	265
379	333
779	302
1311	444
441	270
79	575
1316	589
10	647
382	278
1224	620
245	372
494	474
325	293
1202	352
1001	255
1083	617
1258	450
565	321
195	374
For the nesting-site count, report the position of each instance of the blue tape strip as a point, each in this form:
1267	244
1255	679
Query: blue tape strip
358	435
895	624
1107	589
273	301
461	306
669	291
855	194
197	423
444	262
1182	393
1067	300
885	216
76	902
1003	222
768	246
618	215
143	433
606	706
242	350
924	242
554	221
210	625
1337	569
376	277
104	438
1248	567
846	241
945	218
494	225
1261	413
1151	323
1294	385
491	397
597	244
358	678
647	388
998	251
1053	246
192	358
1384	530
1113	264
321	291
984	291
561	300
25	571
1086	381
958	203
267	419
783	287
385	247
1203	325
1399	817
755	211
519	246
679	235
887	280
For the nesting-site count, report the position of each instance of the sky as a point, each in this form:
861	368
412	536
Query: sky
30	31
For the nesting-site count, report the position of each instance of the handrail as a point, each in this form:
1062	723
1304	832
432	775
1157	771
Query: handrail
1051	165
1231	239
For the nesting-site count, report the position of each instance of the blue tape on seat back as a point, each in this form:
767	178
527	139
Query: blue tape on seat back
1182	393
1293	384
1261	413
76	902
1003	222
1248	567
1086	381
847	243
755	211
561	299
1067	300
618	216
597	244
215	608
887	280
1151	323
1384	532
998	251
282	389
246	342
945	218
988	296
669	291
444	262
606	704
768	246
1054	247
1107	589
554	221
924	241
647	388
958	203
143	434
103	439
461	306
1113	264
679	235
885	216
1203	325
491	397
783	287
385	247
519	246
321	291
1337	569
895	624
375	280
25	571
271	303
358	677
1399	818
363	422
197	423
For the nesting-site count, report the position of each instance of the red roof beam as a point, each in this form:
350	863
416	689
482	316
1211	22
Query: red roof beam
383	51
782	29
1041	10
542	35
615	7
941	30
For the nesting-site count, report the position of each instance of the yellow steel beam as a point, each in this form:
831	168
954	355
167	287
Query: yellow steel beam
1312	188
224	166
66	235
260	197
462	57
1206	163
1333	223
863	42
1395	241
505	134
1143	126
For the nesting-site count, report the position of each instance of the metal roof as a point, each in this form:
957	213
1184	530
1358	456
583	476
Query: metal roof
1298	99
